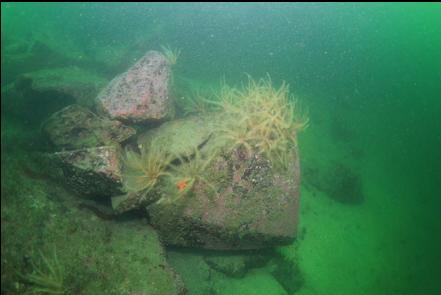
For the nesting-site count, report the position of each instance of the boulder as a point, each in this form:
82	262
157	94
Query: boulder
75	127
141	93
251	207
92	172
180	136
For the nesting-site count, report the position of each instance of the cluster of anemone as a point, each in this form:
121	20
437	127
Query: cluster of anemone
143	170
196	102
171	55
188	172
47	277
260	118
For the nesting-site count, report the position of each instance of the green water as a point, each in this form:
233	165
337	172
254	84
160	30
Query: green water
368	74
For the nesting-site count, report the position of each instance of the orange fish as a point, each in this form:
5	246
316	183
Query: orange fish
181	184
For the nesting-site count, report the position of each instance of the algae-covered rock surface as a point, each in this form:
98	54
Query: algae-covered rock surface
35	95
92	172
55	241
180	137
76	127
81	84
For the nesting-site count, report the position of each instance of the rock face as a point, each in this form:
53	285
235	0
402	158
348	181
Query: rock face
131	200
181	136
254	207
75	127
93	171
140	94
35	95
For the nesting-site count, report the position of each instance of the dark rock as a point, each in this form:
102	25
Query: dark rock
39	51
30	108
80	84
235	265
34	96
195	272
132	200
140	94
232	266
76	127
344	185
287	273
93	171
341	183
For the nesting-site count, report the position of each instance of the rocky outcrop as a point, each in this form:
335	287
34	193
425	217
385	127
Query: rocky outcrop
44	226
210	186
141	93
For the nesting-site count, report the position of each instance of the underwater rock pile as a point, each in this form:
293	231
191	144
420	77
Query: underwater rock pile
207	180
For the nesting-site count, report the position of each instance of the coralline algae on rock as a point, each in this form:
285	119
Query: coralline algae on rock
140	94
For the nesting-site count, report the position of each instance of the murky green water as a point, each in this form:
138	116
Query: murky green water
368	74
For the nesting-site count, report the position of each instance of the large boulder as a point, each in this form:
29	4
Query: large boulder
140	94
75	127
241	200
253	206
92	172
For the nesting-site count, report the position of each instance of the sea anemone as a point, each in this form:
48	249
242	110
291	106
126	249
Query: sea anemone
261	118
188	172
46	277
170	54
142	171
